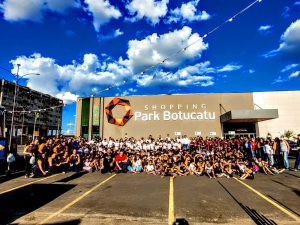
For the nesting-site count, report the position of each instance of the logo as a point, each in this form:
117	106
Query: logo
118	121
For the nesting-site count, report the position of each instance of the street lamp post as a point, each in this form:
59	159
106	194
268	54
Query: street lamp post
18	78
36	116
13	109
23	115
22	128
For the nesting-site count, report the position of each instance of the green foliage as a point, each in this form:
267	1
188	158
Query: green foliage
288	134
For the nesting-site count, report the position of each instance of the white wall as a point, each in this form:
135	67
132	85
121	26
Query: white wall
288	105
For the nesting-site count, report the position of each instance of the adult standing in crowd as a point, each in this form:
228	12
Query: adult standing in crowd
28	154
285	149
297	161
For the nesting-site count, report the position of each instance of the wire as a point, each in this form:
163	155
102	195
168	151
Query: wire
183	49
37	110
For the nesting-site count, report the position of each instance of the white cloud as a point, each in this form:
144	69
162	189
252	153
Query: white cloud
91	75
67	82
251	71
264	28
128	92
200	74
229	68
279	79
17	10
102	12
68	132
33	10
187	12
290	41
294	74
112	35
286	12
60	6
67	97
180	78
289	67
154	48
151	10
291	38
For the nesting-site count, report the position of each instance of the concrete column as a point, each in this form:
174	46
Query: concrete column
78	117
102	117
91	118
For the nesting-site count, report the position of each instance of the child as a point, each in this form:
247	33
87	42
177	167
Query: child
248	172
87	165
150	168
209	170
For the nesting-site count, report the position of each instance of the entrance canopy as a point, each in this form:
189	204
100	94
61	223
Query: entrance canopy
237	116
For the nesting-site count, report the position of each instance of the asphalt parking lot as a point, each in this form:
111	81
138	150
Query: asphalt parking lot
95	198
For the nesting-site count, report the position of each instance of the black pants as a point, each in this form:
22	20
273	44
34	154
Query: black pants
28	166
123	166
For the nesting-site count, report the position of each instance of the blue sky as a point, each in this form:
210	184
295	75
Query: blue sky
84	47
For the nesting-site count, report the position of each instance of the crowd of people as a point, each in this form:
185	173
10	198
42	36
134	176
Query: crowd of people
180	156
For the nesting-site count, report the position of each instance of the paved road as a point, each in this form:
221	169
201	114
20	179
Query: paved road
146	199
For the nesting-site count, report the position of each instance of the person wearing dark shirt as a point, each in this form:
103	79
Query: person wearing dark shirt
63	162
74	161
28	153
41	155
108	161
297	161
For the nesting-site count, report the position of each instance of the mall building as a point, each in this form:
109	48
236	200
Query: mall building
216	115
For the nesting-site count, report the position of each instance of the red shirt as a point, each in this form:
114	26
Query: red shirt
120	158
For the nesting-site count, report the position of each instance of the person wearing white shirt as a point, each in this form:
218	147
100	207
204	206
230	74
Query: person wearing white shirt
269	153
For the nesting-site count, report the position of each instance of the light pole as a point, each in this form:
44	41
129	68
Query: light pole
18	78
22	128
23	114
36	116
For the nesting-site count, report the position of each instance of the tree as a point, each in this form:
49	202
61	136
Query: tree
288	134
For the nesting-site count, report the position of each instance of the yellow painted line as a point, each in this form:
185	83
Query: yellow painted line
75	201
270	201
171	202
24	185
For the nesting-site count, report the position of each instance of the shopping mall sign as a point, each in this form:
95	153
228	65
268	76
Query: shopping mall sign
174	112
164	112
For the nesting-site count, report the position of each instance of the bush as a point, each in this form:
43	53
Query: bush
288	134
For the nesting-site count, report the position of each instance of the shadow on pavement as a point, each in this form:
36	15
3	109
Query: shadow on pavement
280	203
72	177
7	177
20	202
259	219
256	217
292	174
71	222
181	221
295	190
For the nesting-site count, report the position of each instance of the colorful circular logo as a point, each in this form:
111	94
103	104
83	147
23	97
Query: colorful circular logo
118	121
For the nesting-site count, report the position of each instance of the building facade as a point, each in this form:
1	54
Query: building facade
220	114
33	109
